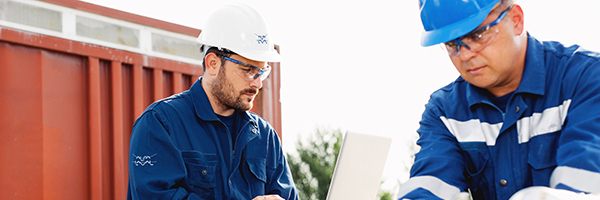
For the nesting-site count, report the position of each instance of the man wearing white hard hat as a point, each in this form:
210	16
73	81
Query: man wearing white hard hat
521	122
204	143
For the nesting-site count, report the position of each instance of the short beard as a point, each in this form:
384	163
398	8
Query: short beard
225	93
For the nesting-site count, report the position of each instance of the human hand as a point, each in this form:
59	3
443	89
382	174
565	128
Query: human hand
268	197
546	193
462	196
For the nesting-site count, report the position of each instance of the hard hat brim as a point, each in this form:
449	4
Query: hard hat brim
271	56
455	30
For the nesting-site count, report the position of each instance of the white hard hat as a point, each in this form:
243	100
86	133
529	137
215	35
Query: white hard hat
241	29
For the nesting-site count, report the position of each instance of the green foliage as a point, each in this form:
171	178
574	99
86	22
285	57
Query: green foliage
385	195
313	167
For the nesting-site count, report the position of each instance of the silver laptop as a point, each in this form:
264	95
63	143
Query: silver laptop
359	167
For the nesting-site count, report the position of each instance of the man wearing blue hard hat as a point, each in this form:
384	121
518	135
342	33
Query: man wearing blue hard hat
521	122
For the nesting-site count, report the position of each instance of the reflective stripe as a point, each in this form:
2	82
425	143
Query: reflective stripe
433	184
473	130
549	121
579	179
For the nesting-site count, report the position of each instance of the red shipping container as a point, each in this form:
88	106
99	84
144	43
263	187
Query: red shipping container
67	106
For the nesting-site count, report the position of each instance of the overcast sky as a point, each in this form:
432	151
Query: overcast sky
358	65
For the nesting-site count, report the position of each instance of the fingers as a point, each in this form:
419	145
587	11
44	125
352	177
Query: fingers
268	197
273	197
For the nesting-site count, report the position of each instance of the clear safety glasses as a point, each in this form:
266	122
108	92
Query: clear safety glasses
248	71
477	39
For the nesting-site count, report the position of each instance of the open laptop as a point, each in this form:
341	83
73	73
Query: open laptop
359	167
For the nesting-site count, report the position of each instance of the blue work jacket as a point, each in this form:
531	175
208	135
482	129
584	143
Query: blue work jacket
548	135
175	153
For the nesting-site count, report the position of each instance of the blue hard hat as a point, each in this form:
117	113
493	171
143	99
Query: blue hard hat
445	20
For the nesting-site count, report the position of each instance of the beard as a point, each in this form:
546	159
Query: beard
226	95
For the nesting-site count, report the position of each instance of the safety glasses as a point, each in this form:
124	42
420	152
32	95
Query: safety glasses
477	39
248	71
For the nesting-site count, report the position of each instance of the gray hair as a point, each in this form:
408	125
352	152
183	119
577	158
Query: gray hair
504	4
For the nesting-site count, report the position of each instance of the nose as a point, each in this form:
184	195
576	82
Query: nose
466	53
256	83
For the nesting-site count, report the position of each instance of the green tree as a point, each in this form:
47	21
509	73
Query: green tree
385	195
313	167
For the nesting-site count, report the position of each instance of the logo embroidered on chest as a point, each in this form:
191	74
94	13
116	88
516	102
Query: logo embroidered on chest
262	39
143	160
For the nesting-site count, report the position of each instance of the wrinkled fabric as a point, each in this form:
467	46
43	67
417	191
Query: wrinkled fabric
177	152
552	120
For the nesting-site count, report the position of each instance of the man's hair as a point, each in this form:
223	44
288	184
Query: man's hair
504	4
215	50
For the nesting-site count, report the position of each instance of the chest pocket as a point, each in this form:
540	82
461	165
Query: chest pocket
476	162
201	173
542	157
255	173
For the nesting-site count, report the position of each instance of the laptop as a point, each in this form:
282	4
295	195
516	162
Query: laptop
359	167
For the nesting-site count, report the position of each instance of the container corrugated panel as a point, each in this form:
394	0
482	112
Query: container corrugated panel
67	108
66	119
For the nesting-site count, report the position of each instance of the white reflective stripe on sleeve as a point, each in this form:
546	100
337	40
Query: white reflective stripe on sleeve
433	184
549	121
473	130
579	179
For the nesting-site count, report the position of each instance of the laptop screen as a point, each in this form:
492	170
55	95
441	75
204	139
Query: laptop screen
359	167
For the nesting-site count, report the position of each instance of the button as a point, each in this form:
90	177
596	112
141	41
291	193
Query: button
204	172
503	182
517	109
254	131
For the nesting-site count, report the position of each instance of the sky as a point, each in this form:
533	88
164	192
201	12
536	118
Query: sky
358	65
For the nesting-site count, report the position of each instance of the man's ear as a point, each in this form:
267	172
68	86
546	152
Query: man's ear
517	19
212	63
